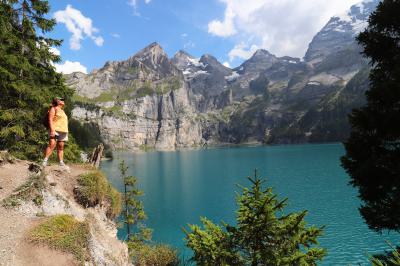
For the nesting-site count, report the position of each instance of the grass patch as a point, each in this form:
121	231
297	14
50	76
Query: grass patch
78	98
115	111
94	189
156	255
145	90
171	84
64	233
30	190
127	93
107	96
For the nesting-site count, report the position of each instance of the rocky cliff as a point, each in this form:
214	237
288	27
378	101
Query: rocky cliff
30	196
152	101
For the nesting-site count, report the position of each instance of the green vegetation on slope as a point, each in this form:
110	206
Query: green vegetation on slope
94	189
31	190
64	233
156	255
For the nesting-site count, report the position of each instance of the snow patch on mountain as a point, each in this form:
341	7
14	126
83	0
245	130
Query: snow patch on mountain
232	76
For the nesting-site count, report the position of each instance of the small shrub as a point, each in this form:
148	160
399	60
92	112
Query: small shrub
5	157
114	200
64	233
155	255
94	189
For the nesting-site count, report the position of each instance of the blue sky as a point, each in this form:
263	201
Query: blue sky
95	31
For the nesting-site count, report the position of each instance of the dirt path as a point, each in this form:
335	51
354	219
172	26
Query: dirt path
14	248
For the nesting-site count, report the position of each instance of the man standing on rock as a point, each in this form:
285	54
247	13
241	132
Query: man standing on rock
58	130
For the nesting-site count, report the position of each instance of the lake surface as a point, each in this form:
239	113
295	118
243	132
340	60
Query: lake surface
183	185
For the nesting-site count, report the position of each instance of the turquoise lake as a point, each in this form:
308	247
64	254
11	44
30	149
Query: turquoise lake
181	186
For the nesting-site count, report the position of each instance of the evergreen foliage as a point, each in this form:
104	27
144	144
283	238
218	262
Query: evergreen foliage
389	258
142	251
134	214
263	234
28	80
373	149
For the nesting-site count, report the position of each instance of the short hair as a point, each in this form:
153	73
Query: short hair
54	102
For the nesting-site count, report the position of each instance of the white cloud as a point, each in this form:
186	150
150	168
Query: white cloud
55	51
69	67
224	28
99	41
283	27
116	35
242	51
135	5
226	63
184	35
79	25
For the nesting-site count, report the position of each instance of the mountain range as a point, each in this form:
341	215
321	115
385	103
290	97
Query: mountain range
153	101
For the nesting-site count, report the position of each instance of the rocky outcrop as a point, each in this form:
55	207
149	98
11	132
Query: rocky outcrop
29	198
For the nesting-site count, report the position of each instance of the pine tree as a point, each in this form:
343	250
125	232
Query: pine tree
141	249
262	236
134	215
28	80
373	149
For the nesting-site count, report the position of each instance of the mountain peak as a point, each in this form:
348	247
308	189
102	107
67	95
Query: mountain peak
153	45
261	59
340	31
262	52
183	53
152	49
182	60
208	58
261	55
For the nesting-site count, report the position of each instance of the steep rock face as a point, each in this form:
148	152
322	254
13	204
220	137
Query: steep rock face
207	81
156	121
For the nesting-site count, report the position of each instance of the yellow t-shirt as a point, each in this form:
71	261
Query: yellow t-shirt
60	121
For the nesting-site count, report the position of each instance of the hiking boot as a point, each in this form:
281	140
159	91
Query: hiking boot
44	163
64	166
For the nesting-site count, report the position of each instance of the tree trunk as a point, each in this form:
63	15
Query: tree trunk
95	158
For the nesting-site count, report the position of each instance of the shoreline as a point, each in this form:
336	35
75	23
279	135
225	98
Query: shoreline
220	145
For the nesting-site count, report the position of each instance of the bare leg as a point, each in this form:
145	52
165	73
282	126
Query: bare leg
50	148
60	151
